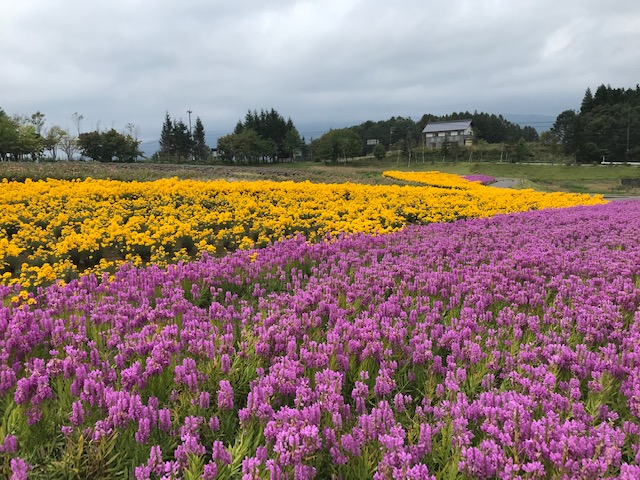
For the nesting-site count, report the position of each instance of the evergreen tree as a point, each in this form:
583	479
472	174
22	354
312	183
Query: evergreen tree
587	102
182	141
271	127
167	148
201	151
607	126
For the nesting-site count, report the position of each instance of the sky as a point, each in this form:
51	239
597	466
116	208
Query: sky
322	63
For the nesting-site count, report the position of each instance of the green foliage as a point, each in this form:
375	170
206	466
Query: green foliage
179	145
246	147
181	141
379	152
29	142
338	144
606	127
522	151
53	139
69	145
166	137
277	139
398	131
19	138
201	150
489	127
109	146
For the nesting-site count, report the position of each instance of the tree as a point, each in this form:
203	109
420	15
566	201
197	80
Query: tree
565	129
293	144
77	120
37	119
52	140
606	127
379	151
182	141
454	151
522	151
246	147
8	136
109	146
69	145
176	143
530	134
167	148
29	142
132	130
587	102
201	150
335	144
272	127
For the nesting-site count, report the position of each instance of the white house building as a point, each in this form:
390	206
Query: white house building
455	131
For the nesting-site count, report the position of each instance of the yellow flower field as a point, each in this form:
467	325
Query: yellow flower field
58	229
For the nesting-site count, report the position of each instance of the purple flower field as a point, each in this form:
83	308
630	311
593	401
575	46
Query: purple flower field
504	347
480	178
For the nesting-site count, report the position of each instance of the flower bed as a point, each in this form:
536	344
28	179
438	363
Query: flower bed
60	229
496	347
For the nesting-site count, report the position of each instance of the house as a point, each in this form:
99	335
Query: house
454	131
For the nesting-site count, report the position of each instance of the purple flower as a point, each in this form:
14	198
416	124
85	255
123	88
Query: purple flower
9	445
225	395
210	471
77	413
19	469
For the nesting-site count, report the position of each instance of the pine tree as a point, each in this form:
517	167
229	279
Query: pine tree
201	151
167	144
182	141
587	102
280	136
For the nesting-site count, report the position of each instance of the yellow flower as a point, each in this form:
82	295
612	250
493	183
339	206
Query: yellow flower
61	229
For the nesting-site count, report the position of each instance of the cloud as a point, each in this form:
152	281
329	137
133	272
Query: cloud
335	61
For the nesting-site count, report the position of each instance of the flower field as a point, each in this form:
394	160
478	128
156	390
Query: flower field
501	347
57	229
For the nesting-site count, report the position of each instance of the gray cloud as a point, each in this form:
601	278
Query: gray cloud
335	61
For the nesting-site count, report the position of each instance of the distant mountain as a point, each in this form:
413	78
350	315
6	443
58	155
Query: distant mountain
150	147
540	122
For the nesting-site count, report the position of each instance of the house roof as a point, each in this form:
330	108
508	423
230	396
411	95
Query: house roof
446	126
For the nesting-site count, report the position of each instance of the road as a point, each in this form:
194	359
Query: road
515	182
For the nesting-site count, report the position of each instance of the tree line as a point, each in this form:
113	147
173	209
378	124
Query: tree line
605	128
179	144
264	137
28	138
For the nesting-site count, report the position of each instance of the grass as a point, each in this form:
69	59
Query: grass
568	178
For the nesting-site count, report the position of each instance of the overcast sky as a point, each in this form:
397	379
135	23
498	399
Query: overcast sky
321	62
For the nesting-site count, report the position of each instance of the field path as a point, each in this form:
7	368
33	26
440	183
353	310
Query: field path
505	183
514	182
